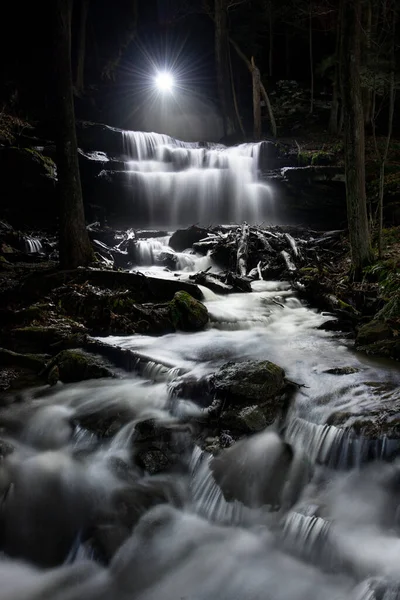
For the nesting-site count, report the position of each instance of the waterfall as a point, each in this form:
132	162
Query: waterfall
177	183
32	245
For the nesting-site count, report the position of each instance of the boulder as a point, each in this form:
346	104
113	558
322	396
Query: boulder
374	331
35	362
77	365
249	382
185	238
187	313
252	394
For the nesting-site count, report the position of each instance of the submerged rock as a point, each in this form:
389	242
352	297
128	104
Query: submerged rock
342	371
187	313
376	419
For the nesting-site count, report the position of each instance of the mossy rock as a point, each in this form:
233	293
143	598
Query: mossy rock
391	310
77	365
35	362
37	338
384	348
187	313
248	419
249	382
374	331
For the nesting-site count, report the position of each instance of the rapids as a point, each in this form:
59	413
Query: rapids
312	520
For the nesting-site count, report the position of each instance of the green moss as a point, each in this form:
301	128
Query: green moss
77	365
187	313
374	331
315	158
48	164
36	362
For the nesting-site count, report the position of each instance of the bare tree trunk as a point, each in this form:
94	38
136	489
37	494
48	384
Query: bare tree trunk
287	53
262	88
235	102
392	94
367	31
75	248
271	38
222	63
361	252
310	40
255	73
81	54
334	126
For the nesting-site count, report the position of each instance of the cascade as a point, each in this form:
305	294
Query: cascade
177	183
32	245
291	512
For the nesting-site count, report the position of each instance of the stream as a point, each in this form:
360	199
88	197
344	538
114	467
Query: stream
303	509
71	499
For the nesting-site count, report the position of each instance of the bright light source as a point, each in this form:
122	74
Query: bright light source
164	82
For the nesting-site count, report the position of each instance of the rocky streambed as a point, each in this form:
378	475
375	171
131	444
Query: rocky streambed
213	381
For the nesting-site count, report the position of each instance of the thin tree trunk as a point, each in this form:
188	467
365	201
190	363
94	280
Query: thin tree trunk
262	88
310	40
222	62
271	38
255	73
392	95
81	54
334	114
75	248
361	252
287	53
234	96
367	31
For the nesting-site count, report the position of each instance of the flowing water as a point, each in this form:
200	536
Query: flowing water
313	512
181	183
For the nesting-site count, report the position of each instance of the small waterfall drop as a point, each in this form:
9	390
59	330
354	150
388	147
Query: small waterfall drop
177	183
32	245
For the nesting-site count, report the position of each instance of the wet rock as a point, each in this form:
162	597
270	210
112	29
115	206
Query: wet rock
378	419
252	395
374	331
46	338
185	238
237	470
161	446
5	449
35	362
153	461
249	419
249	382
187	313
342	371
142	288
77	365
384	348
